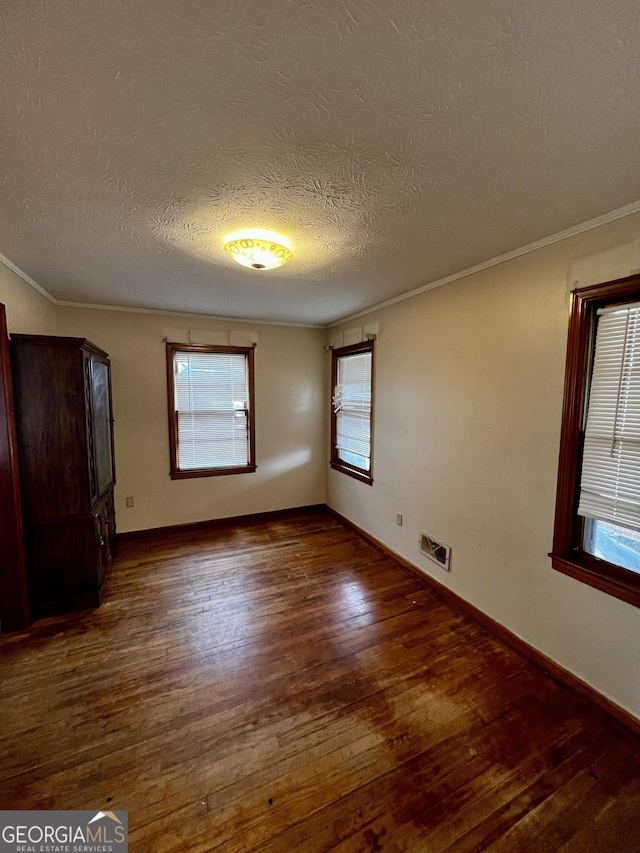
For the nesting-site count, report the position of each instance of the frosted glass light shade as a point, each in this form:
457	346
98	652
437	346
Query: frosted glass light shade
259	250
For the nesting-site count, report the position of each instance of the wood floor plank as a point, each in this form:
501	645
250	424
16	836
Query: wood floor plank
281	685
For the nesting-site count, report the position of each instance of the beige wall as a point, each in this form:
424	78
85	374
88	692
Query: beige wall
469	381
28	312
289	366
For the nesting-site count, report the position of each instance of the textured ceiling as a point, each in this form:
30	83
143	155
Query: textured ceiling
394	143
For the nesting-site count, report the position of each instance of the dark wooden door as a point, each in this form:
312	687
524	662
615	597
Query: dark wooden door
14	598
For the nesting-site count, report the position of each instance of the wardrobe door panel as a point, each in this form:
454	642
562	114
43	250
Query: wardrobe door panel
102	425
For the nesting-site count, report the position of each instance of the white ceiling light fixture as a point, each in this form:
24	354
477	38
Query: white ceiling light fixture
258	249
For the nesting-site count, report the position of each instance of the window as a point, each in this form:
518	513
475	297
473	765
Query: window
351	411
597	529
211	428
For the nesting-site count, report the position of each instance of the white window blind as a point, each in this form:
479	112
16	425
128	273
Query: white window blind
352	406
610	482
212	401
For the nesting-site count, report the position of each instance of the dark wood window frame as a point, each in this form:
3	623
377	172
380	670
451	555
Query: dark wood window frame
568	555
176	472
336	463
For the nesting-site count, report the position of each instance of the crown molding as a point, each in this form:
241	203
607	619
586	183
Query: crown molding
23	275
166	313
88	305
627	210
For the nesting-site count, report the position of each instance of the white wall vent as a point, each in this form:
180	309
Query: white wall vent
436	551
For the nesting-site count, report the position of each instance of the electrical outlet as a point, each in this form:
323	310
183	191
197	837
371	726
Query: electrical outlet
129	501
399	519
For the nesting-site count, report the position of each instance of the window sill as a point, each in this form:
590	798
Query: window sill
211	472
353	472
595	573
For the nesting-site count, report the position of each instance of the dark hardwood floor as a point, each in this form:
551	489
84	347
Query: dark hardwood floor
284	686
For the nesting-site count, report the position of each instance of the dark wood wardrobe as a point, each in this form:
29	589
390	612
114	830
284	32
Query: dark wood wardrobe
64	423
